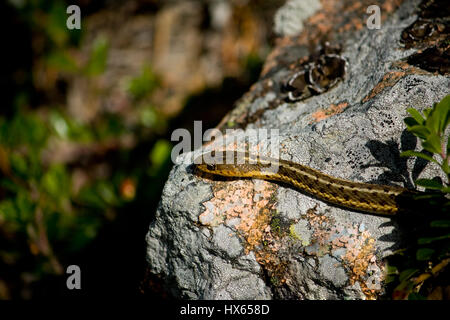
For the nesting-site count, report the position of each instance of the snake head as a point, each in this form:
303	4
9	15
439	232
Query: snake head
204	163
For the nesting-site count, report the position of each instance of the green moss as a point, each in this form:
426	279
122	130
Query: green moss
273	198
275	281
275	226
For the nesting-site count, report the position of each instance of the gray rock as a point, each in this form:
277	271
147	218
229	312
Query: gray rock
301	231
332	271
289	18
231	240
227	242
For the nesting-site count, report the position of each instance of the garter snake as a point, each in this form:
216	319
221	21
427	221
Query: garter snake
364	197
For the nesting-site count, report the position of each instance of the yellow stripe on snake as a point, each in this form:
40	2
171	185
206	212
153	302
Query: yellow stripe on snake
364	197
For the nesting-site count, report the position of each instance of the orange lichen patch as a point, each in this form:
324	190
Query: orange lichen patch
331	110
244	205
389	6
409	69
355	6
359	259
389	80
392	77
318	223
231	199
248	207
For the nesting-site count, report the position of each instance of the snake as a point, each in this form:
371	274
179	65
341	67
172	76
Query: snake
369	198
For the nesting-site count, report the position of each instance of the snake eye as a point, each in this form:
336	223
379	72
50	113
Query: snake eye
210	166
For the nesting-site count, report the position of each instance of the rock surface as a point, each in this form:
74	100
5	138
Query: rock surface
251	239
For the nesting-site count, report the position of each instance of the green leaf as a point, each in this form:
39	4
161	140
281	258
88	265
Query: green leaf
24	206
56	181
390	278
142	85
391	270
106	192
429	240
8	211
424	254
416	115
445	167
18	163
427	112
420	131
411	122
432	121
432	143
429	184
400	252
440	224
411	153
59	124
159	154
406	274
55	24
443	113
427	195
99	54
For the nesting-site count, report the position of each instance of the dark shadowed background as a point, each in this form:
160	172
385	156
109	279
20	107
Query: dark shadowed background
85	126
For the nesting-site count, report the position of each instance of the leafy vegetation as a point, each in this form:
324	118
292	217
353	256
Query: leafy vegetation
419	270
54	207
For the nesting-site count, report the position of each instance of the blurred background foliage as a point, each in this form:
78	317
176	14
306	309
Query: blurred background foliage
85	127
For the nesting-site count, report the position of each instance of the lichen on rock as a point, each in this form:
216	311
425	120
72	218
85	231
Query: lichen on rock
251	239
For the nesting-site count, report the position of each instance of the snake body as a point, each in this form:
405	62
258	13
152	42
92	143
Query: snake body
364	197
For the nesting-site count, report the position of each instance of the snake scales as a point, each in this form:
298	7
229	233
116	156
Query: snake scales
364	197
